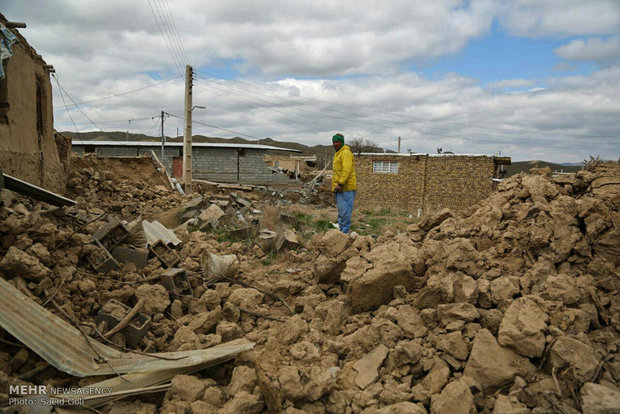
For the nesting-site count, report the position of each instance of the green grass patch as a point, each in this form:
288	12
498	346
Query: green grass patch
223	236
371	225
304	218
383	212
321	225
268	259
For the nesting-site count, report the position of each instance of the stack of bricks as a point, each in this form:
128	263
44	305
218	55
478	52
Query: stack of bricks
424	183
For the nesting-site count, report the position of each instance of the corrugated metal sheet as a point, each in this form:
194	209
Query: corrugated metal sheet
64	347
79	143
156	231
143	382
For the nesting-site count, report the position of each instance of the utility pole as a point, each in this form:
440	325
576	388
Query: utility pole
163	137
187	140
399	145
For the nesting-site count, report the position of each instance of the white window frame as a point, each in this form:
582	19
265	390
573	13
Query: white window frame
385	167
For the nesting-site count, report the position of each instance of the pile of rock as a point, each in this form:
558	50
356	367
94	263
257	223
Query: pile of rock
126	196
511	307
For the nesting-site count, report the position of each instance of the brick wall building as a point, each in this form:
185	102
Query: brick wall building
221	162
423	182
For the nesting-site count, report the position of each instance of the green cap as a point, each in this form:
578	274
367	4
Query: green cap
338	137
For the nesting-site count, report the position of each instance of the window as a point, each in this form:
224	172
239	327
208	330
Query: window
384	167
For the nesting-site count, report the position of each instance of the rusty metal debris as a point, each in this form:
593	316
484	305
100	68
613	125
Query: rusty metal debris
64	347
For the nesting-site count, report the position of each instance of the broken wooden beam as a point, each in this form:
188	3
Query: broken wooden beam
35	192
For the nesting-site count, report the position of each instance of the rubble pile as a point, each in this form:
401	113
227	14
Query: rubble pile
511	307
508	308
116	186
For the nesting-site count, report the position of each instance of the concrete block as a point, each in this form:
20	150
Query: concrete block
101	260
168	257
175	280
138	257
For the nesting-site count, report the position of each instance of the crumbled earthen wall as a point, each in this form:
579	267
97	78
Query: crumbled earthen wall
511	307
427	183
24	153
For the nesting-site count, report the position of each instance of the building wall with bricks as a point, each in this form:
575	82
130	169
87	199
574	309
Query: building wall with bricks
424	183
229	165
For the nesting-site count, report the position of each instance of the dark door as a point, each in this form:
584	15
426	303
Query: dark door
177	167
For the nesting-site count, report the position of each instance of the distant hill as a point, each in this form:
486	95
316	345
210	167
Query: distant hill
324	153
525	166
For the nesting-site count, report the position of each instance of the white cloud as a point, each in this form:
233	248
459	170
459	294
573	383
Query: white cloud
591	49
319	38
533	18
572	118
335	66
511	84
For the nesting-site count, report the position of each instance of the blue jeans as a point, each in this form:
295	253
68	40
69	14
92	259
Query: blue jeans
344	202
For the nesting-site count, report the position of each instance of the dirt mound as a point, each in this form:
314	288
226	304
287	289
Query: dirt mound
510	307
130	186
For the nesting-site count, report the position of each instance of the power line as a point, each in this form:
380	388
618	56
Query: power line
115	121
216	127
155	123
502	130
164	37
393	124
168	29
227	93
128	92
67	108
175	32
434	131
357	117
75	104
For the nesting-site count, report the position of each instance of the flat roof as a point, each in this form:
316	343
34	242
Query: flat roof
78	143
413	154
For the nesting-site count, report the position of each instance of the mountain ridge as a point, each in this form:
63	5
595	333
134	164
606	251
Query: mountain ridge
323	152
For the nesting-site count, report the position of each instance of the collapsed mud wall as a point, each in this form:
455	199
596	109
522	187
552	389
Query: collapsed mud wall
509	307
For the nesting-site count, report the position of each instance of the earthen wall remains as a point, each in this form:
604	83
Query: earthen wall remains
28	149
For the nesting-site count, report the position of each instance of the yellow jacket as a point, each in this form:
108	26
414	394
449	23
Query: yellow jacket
344	169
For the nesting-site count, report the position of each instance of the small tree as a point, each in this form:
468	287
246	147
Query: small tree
359	145
592	163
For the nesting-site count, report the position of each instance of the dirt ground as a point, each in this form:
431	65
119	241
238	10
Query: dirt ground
510	307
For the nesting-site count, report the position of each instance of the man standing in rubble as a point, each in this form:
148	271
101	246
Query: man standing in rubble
343	182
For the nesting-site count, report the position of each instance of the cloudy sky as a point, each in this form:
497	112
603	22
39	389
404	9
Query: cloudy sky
532	79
